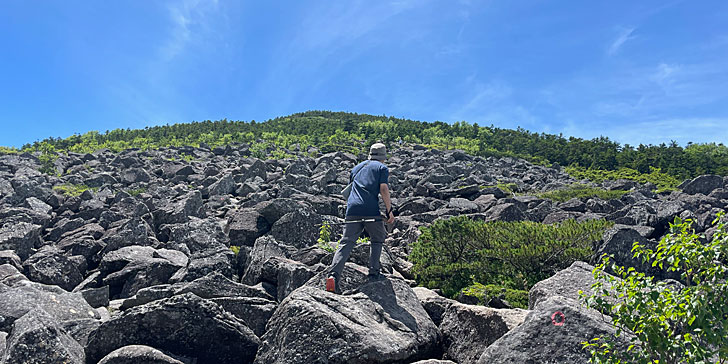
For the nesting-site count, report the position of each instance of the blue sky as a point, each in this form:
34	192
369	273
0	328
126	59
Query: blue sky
635	71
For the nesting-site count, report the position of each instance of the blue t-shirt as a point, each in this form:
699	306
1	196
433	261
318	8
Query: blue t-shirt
364	197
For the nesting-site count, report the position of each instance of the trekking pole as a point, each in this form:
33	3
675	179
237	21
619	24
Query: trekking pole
349	221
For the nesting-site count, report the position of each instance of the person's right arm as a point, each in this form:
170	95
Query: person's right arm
384	191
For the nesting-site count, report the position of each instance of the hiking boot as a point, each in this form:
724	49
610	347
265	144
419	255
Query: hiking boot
375	277
331	284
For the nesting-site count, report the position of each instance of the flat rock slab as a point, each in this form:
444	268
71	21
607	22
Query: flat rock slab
382	323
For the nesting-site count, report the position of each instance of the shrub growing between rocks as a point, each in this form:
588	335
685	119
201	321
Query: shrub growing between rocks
667	323
451	254
581	191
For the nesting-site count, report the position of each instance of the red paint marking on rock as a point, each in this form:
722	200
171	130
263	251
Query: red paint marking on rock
560	320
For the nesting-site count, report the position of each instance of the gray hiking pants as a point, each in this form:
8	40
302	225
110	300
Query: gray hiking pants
377	234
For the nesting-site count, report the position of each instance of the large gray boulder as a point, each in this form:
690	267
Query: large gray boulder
184	325
566	283
61	305
702	184
37	338
383	322
135	354
466	329
543	339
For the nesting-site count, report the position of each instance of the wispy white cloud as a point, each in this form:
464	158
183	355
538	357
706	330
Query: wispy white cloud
186	17
624	35
664	75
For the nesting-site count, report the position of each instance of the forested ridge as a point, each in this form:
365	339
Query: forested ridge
330	131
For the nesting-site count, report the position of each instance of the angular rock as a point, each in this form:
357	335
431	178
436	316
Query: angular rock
265	247
197	235
133	232
96	297
9	257
202	263
61	305
275	209
38	205
134	354
465	206
50	266
298	228
286	274
3	343
466	329
20	237
246	225
216	285
383	322
505	212
134	175
254	312
433	303
224	186
37	338
541	339
574	205
131	268
179	211
184	325
11	276
617	242
557	216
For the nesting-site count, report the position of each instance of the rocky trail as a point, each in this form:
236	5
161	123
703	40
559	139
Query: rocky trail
126	258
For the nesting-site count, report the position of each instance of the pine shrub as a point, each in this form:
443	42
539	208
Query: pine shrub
453	253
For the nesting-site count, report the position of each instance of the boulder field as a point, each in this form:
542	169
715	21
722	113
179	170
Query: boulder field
200	255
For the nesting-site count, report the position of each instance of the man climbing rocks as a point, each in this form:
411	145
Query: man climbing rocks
370	178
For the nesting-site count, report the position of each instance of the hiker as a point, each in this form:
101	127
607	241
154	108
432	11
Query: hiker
369	179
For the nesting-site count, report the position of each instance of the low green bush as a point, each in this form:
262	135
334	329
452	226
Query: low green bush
516	297
70	190
663	181
454	253
8	150
581	191
666	324
137	191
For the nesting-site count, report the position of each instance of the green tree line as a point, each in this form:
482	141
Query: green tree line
352	132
